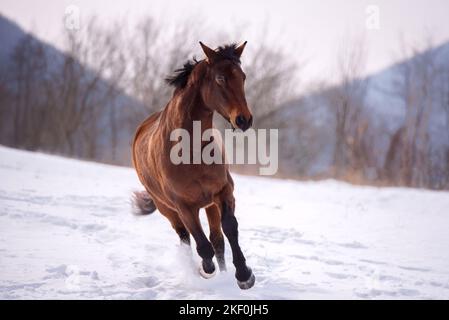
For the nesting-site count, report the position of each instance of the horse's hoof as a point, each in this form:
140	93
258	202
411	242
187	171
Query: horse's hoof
206	275
248	284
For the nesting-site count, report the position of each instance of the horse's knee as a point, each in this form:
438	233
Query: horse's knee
228	221
183	234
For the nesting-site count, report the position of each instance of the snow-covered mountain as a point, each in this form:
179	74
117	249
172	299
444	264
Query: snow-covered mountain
308	124
66	231
10	35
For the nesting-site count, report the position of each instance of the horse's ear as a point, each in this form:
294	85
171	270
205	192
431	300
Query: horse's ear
240	48
210	53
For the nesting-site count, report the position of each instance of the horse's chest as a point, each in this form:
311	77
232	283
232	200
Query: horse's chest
202	184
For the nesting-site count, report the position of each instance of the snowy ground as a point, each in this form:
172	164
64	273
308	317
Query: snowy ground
66	232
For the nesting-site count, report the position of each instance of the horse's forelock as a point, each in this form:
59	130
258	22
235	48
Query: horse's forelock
180	77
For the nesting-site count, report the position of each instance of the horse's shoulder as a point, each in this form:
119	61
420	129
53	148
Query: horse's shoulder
147	123
143	129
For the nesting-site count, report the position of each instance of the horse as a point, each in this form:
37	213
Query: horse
179	191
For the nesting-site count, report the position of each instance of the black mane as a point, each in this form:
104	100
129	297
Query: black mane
227	52
180	76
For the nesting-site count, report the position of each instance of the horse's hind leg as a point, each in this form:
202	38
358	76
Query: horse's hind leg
216	235
176	223
190	218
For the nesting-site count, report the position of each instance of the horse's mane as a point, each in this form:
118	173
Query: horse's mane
180	76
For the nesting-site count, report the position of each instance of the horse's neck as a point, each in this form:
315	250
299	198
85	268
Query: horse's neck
186	107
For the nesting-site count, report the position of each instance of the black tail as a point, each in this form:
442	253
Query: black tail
143	204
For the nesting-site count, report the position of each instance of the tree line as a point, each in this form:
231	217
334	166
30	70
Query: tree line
340	125
87	101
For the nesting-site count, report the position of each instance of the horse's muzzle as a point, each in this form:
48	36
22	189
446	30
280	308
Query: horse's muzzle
243	123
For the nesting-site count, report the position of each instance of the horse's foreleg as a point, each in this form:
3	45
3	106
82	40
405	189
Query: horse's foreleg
216	235
244	275
190	218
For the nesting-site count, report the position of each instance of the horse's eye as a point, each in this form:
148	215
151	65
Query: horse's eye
220	80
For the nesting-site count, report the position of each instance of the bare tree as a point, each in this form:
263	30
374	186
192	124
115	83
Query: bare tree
77	97
409	155
29	66
347	102
272	80
6	100
83	87
154	51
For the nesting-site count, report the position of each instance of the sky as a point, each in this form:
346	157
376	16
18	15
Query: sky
310	31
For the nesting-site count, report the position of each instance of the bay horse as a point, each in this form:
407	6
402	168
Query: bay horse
179	191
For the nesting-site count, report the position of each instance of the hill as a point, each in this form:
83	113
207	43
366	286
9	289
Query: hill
67	232
408	100
60	86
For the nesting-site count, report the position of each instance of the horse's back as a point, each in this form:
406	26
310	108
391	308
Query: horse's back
141	137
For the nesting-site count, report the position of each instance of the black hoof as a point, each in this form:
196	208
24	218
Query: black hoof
248	284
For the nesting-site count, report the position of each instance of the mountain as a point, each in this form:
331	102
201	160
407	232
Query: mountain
113	145
10	34
383	85
307	138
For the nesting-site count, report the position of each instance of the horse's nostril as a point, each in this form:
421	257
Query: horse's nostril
240	120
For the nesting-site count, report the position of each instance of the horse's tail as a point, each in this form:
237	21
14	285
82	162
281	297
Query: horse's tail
143	204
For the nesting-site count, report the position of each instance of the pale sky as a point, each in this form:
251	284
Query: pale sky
309	30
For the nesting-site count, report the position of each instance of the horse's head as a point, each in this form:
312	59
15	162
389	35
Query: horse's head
223	86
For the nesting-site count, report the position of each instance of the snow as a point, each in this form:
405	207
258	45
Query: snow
67	232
